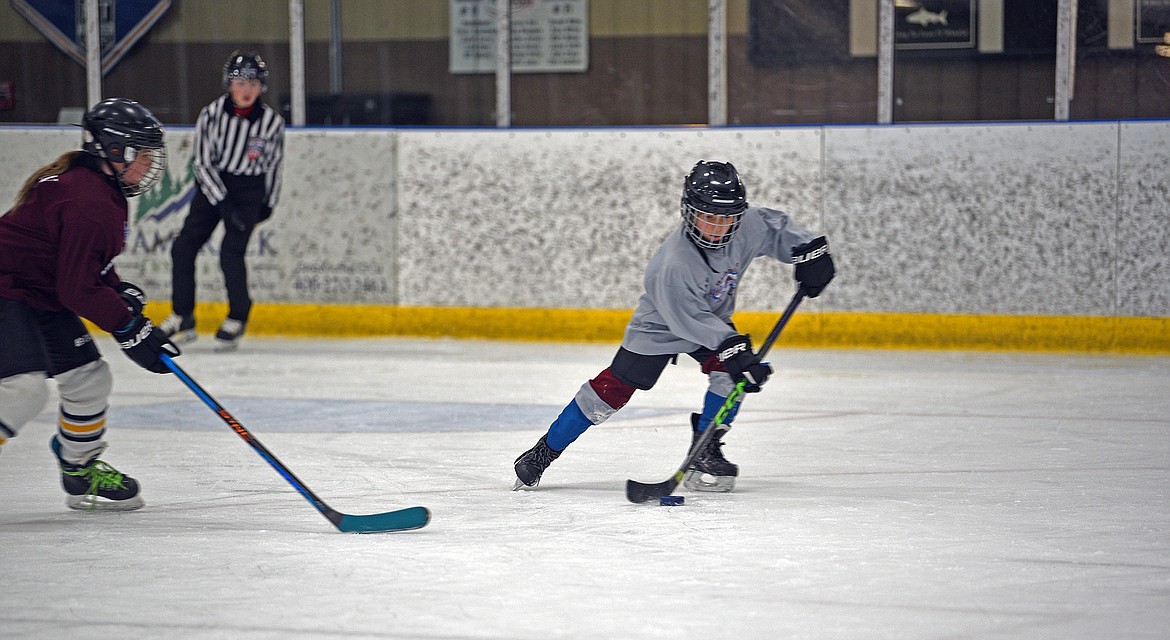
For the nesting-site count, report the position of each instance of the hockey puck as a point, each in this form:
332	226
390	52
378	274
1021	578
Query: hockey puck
670	501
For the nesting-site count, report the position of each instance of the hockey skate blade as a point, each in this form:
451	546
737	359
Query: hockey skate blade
520	486
187	336
97	503
696	481
226	346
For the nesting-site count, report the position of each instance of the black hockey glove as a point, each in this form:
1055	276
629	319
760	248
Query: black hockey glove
736	355
814	265
143	342
132	295
263	214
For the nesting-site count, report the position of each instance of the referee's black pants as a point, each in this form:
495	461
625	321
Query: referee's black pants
197	228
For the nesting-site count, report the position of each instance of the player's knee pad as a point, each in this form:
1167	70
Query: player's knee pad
720	383
602	396
22	397
85	390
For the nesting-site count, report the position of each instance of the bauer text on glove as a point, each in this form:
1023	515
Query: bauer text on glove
736	355
143	343
814	265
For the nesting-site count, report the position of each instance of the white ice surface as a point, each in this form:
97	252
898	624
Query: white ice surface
883	494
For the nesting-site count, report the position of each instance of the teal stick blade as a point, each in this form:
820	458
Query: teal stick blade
400	520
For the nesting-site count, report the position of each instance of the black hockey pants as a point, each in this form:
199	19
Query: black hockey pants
197	228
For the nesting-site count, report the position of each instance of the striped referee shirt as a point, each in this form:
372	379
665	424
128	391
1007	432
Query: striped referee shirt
248	146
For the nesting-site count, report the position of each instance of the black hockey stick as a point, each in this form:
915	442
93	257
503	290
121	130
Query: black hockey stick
400	520
640	491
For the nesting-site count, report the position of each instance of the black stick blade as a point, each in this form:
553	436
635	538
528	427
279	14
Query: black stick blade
639	492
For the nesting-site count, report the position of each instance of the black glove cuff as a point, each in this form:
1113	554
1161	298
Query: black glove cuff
742	364
813	249
134	333
734	349
132	295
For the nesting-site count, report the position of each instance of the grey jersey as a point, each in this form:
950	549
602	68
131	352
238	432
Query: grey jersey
690	292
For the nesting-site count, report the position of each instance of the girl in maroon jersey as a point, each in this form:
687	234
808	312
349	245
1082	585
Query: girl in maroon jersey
57	247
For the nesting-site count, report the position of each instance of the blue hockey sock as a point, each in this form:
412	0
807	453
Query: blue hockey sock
570	424
711	406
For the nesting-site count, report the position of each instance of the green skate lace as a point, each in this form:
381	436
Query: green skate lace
100	476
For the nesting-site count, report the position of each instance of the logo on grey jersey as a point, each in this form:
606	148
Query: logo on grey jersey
725	285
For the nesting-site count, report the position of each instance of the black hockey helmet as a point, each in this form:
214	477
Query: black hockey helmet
246	66
713	188
120	130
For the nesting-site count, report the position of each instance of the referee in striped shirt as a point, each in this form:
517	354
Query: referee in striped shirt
239	148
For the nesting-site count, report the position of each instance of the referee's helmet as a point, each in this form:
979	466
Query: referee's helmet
245	66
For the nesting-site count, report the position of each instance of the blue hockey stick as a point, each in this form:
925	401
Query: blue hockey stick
400	520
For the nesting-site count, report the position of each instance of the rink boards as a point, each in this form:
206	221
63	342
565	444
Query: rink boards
1031	235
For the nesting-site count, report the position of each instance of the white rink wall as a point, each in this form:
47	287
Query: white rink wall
1030	219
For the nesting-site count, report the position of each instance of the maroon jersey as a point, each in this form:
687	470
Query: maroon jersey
57	248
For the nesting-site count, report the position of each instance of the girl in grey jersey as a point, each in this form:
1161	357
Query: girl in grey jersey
690	286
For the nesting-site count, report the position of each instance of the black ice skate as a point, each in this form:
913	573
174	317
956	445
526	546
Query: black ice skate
711	471
532	463
229	334
179	329
96	486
